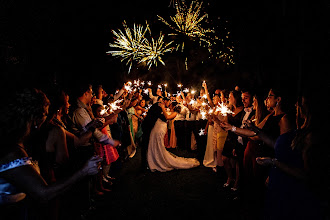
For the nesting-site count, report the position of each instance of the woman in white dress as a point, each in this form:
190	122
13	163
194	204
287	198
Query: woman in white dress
158	158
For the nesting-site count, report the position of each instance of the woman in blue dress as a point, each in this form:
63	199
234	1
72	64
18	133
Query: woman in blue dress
295	169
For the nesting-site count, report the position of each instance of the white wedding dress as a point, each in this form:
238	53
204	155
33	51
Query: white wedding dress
159	159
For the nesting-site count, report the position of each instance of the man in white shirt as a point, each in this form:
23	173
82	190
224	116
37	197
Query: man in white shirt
83	115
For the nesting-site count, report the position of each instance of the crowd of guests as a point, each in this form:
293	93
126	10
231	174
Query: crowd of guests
58	146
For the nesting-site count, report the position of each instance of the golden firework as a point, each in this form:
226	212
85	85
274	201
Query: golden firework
133	45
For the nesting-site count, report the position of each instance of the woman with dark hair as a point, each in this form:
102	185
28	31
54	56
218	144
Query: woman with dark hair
229	160
24	113
274	124
159	159
299	177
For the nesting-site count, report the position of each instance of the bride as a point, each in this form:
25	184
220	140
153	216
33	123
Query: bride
158	158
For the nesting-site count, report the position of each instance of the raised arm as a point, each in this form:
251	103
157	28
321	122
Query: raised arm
27	179
208	95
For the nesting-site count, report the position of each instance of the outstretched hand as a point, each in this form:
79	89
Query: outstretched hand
92	165
264	161
225	125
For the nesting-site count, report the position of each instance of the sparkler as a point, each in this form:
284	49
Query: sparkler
186	90
111	107
223	109
180	86
201	132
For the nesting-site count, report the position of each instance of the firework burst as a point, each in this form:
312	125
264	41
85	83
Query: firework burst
190	24
188	21
151	52
128	43
133	45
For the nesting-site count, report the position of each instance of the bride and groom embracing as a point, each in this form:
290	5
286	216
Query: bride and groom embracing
153	149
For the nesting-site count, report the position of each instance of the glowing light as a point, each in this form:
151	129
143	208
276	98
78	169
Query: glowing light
114	105
151	52
128	42
191	23
201	132
223	109
111	107
203	113
188	21
133	45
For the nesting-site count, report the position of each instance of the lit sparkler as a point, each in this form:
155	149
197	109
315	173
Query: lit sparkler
146	91
223	109
201	132
114	106
111	107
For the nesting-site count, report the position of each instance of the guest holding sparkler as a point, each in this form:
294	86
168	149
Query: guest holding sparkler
158	94
23	115
274	124
210	156
298	185
82	115
220	135
229	161
55	146
106	151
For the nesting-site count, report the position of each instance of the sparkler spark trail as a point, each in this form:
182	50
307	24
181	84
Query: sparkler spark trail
201	132
223	109
134	46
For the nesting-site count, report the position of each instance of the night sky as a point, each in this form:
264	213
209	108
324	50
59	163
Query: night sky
276	42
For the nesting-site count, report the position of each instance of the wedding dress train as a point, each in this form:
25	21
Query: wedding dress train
159	159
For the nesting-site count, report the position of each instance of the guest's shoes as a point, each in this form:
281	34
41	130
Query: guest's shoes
225	185
98	193
234	189
109	177
105	190
105	179
228	183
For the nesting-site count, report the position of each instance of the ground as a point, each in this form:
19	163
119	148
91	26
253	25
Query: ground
195	193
